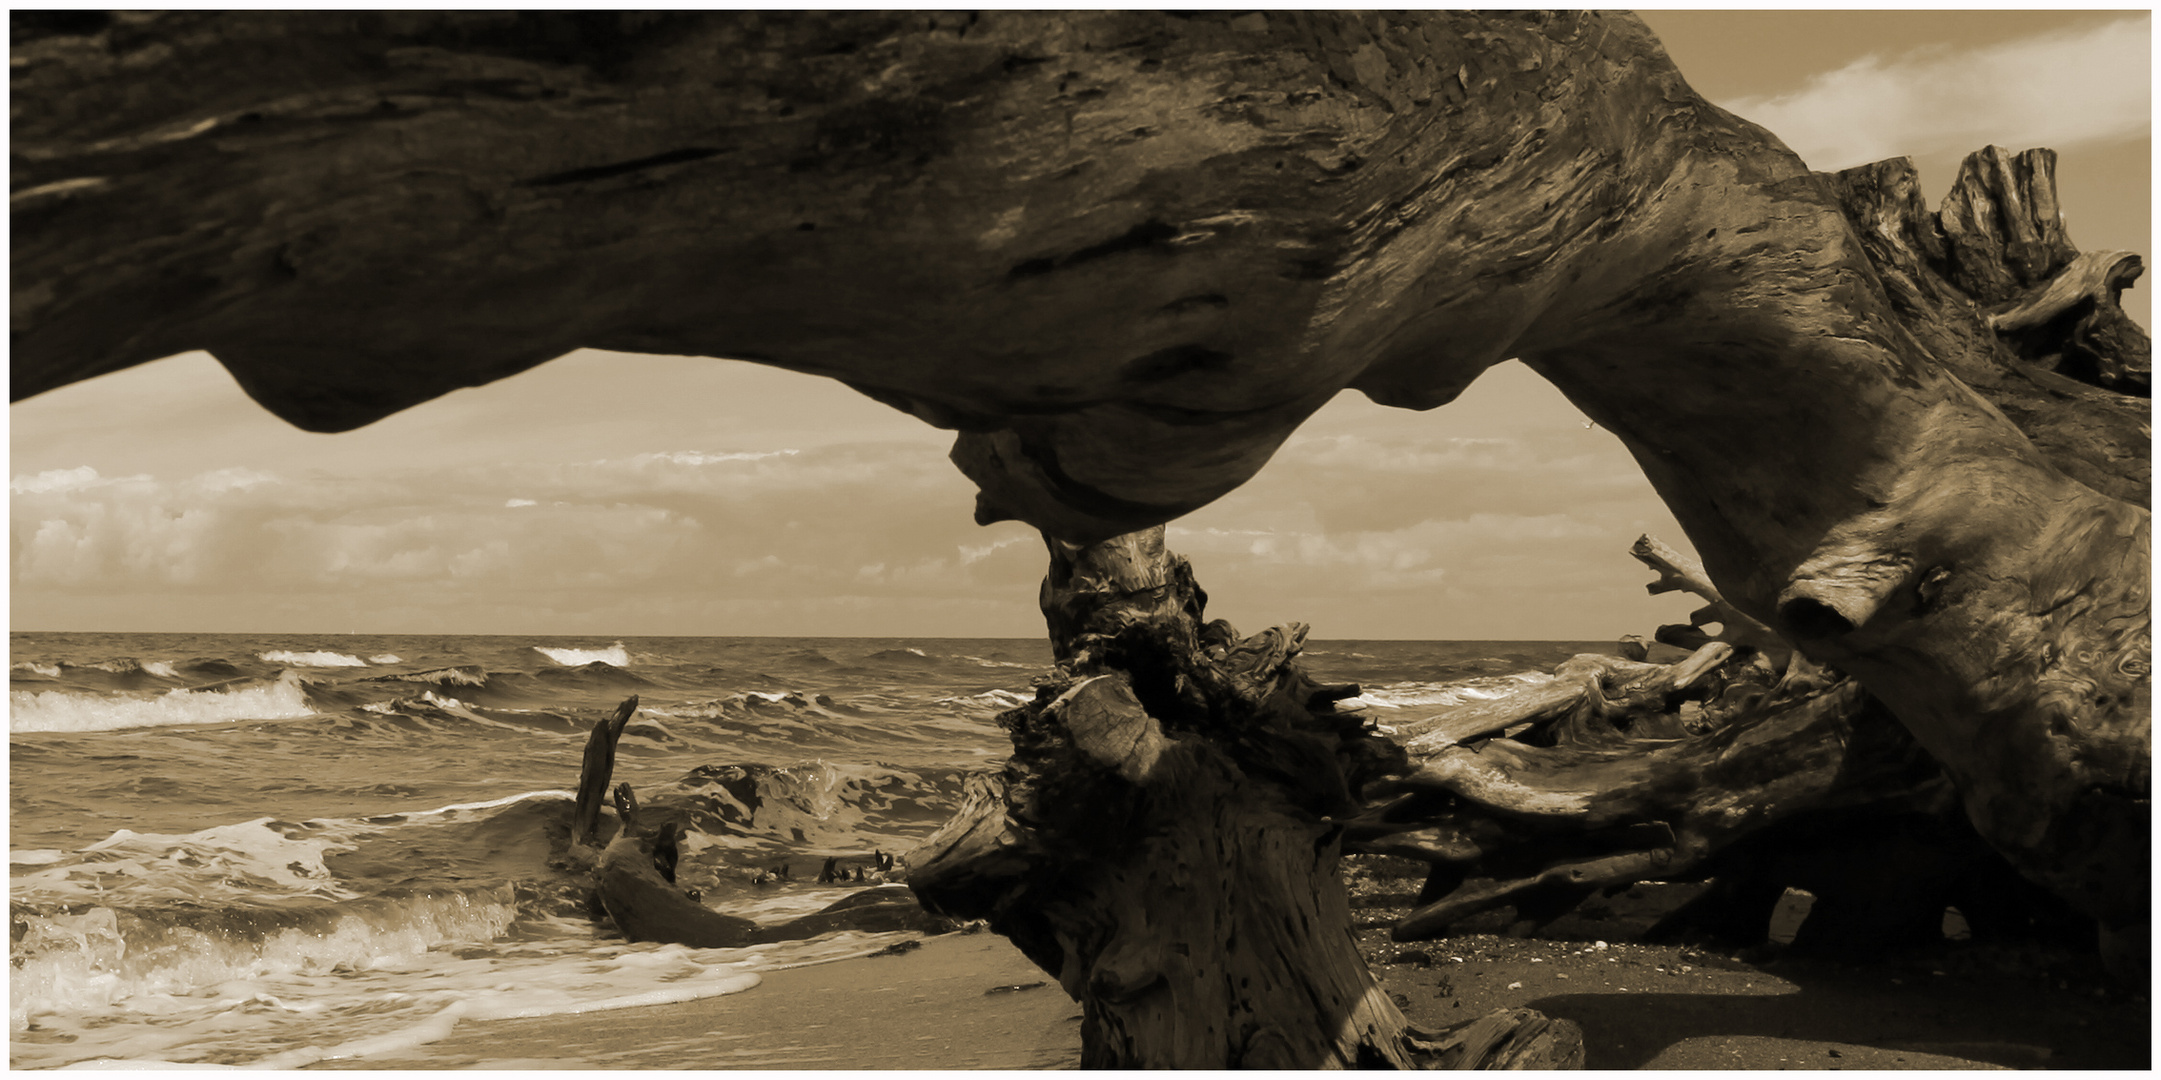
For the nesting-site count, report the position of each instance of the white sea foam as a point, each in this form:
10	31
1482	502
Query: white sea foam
994	699
457	808
1409	695
454	676
311	659
398	991
161	669
247	859
59	710
50	671
614	654
386	658
98	963
981	662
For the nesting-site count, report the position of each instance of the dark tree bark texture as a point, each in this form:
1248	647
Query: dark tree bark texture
1747	764
1125	254
1161	841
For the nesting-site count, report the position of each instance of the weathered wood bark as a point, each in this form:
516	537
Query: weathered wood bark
1126	253
1679	571
1617	771
1160	840
594	773
1597	806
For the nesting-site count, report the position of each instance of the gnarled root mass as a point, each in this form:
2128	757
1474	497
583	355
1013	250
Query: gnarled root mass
1743	761
1163	841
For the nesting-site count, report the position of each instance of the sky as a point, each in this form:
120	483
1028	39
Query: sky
607	495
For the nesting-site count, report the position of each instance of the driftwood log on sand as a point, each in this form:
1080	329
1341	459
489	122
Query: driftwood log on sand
1728	762
634	872
1161	841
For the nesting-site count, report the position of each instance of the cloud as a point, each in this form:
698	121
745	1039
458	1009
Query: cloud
59	480
780	525
2057	90
1369	523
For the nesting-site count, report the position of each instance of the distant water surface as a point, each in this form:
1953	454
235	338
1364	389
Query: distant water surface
236	849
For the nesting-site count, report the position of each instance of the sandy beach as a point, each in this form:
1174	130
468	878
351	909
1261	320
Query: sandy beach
961	1001
971	1001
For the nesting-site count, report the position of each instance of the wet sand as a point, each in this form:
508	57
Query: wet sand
961	1001
971	1001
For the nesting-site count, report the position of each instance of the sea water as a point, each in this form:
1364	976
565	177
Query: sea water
271	850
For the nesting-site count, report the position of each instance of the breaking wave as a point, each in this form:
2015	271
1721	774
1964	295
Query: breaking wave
1462	692
466	675
614	655
59	710
311	659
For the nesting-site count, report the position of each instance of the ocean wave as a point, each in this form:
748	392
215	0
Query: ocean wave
125	665
745	703
411	991
1460	692
999	700
591	673
311	659
451	811
50	671
614	655
90	959
816	806
386	658
910	655
467	675
58	710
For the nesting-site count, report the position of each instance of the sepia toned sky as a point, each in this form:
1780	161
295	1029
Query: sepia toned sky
607	495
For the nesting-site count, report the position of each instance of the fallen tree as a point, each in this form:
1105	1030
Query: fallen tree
1162	841
633	870
1125	254
1742	762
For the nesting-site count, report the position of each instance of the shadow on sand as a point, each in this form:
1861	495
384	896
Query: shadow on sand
1997	1019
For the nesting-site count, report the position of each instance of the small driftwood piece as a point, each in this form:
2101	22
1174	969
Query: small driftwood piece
1680	571
593	776
1163	840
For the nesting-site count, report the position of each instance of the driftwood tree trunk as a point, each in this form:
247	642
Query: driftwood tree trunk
1764	773
1127	253
1161	841
634	872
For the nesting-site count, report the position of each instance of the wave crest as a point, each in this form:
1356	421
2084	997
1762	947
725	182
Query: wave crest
59	710
311	659
614	655
467	675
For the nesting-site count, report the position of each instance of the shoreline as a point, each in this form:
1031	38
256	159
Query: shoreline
958	1001
972	1001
